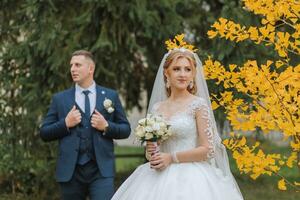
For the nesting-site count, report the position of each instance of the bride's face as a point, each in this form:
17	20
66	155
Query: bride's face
180	73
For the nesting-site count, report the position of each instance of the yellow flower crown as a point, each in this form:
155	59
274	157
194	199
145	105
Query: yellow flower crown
179	43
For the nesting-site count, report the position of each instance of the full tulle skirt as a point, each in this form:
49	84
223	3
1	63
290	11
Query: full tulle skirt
190	181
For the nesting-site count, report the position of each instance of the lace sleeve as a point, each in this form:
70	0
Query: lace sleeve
204	125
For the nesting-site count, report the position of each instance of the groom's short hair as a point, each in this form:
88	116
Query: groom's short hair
84	53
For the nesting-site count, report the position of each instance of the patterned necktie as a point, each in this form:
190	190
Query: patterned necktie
87	103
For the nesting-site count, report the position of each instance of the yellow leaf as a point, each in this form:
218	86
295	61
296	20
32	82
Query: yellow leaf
226	142
283	39
281	185
294	20
253	33
295	146
264	21
279	63
281	162
214	105
264	31
254	176
179	37
232	67
281	52
223	20
269	173
291	159
242	141
255	145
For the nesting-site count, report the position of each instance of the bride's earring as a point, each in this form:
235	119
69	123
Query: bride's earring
168	83
191	85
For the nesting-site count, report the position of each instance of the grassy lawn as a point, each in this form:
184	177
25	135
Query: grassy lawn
264	188
125	164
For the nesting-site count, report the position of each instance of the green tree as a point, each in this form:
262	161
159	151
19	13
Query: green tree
37	39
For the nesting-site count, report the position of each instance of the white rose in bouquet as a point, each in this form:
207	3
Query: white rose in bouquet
148	136
140	131
156	127
150	122
161	132
142	122
148	129
162	125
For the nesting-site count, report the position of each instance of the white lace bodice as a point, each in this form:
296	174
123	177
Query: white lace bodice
184	129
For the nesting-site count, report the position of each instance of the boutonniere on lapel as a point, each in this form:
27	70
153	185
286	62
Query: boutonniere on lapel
108	105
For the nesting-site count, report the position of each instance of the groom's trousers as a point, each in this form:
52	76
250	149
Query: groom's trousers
87	181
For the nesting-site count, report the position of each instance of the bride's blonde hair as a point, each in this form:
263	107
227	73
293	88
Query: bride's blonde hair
173	57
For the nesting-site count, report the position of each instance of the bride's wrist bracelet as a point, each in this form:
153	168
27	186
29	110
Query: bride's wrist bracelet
174	157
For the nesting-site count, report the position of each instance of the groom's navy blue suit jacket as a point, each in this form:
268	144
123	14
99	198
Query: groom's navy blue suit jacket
54	128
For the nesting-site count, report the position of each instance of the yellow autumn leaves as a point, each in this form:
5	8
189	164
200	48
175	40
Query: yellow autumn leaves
263	96
178	42
251	160
255	162
275	14
273	104
272	98
283	42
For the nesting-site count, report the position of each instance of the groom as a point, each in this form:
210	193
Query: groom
85	119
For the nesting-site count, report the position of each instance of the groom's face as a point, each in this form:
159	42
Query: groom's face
82	69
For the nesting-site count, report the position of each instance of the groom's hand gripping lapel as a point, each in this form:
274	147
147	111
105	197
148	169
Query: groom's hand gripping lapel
73	117
98	121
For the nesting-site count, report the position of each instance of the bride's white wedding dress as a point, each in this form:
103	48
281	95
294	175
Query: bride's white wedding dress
182	181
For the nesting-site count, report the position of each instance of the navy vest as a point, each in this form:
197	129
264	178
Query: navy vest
86	149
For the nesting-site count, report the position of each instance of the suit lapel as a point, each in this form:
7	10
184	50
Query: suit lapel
100	97
69	102
69	99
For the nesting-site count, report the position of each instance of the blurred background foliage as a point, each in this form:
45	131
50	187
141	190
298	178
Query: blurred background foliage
127	38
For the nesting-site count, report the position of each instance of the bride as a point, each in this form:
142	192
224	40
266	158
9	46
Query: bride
192	164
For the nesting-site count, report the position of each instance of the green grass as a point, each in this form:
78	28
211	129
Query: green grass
125	164
264	188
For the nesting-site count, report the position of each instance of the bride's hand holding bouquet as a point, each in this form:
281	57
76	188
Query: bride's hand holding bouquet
152	130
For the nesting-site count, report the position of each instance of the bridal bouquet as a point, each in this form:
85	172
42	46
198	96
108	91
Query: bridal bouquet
152	128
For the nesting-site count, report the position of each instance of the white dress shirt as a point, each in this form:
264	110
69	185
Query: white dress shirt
80	97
